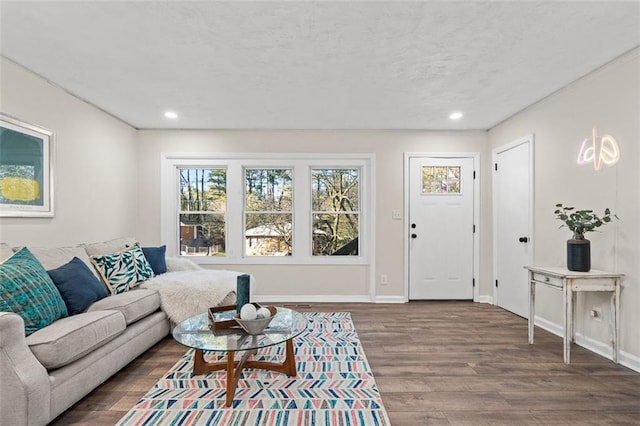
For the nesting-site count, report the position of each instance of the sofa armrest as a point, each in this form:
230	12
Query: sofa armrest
25	391
175	264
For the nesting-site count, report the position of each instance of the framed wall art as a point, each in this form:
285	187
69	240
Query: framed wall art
26	169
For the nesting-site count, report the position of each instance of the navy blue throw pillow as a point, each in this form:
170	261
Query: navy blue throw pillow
156	258
77	285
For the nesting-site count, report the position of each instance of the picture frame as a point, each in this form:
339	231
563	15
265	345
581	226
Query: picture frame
26	169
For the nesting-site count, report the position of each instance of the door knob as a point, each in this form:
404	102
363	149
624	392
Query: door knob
523	239
414	236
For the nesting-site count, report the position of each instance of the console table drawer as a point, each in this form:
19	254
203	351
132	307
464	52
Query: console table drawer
593	284
546	279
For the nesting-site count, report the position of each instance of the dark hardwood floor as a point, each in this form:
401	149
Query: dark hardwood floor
438	363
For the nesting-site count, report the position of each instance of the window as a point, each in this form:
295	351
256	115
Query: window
441	180
201	217
335	200
268	208
268	212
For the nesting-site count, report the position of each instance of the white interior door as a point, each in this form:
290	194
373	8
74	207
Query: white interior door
441	213
513	229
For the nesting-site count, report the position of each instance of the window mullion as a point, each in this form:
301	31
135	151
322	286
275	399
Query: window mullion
302	211
235	204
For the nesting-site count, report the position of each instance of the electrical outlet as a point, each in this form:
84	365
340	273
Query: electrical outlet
596	313
384	279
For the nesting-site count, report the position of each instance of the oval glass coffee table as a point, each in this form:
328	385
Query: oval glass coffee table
195	332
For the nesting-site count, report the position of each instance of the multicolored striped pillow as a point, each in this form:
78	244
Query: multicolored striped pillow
124	270
27	290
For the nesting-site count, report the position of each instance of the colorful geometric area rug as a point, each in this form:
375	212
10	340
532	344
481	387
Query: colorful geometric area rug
334	386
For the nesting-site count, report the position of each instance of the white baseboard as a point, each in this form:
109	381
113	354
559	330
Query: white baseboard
312	299
624	358
630	360
390	299
551	327
485	299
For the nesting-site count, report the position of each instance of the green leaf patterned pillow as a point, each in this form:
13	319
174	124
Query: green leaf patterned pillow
124	270
27	290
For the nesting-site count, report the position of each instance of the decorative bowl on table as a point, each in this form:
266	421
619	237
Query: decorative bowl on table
254	326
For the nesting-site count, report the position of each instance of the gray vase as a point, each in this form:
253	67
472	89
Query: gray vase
579	254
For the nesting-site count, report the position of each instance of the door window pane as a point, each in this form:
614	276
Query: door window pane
441	180
335	197
203	201
268	212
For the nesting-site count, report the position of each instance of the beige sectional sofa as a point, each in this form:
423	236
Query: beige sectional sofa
46	372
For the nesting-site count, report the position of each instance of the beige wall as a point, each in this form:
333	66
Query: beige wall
389	148
96	164
608	99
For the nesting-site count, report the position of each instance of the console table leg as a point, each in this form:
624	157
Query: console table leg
568	315
615	323
532	307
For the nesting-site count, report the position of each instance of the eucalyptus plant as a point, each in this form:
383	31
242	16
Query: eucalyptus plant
581	221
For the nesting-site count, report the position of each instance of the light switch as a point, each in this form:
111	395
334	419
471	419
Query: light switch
396	214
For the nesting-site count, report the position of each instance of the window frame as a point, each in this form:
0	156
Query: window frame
246	212
180	211
357	212
301	165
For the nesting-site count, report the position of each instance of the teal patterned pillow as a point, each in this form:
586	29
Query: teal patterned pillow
124	270
27	290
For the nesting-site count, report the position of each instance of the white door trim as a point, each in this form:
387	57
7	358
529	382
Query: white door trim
494	153
476	213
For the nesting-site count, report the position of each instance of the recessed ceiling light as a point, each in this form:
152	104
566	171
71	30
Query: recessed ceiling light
455	115
170	114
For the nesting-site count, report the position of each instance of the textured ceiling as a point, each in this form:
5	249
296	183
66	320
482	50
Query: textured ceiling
315	65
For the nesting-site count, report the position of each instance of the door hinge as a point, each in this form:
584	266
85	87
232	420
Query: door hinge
474	174
495	165
474	282
496	283
474	228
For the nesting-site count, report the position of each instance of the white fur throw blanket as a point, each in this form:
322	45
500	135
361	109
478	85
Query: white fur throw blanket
187	290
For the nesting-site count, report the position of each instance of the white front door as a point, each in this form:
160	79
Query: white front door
512	209
441	214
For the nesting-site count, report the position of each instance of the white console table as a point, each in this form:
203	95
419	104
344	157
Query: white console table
570	282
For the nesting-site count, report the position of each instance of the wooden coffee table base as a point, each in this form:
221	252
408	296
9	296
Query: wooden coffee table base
234	368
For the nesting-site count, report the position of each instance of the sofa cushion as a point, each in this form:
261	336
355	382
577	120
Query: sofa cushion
134	305
156	256
54	257
78	287
124	270
109	247
27	290
71	338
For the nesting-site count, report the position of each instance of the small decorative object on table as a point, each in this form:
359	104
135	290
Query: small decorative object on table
580	221
222	317
253	322
254	318
243	291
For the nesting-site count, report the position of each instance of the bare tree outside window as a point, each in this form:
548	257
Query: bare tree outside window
335	211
